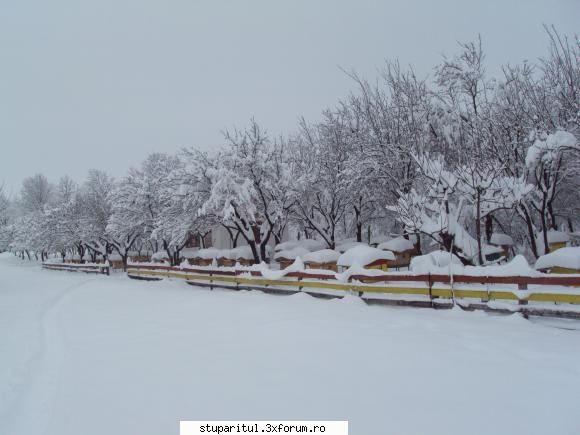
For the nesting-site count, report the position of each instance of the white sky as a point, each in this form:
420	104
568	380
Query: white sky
100	84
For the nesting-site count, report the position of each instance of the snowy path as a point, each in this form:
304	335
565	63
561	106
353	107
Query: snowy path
94	354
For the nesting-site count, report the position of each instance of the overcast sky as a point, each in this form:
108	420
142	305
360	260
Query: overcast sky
102	83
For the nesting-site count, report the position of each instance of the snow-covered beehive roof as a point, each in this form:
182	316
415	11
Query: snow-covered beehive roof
160	255
208	253
380	239
345	246
189	252
363	255
399	244
144	253
557	236
554	236
501	239
568	258
430	263
291	254
490	249
309	244
241	252
322	256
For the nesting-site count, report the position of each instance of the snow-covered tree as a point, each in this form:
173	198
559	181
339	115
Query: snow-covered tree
250	188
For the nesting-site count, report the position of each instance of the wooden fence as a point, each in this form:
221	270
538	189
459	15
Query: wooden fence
73	267
516	293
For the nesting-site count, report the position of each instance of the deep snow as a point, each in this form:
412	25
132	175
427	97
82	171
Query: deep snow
85	354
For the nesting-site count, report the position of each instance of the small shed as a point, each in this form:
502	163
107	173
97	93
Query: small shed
403	249
188	254
115	261
139	256
160	257
324	259
206	256
242	255
74	258
556	240
563	260
365	256
493	253
225	258
286	258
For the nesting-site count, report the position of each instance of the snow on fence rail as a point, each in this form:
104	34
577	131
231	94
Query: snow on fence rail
74	267
534	295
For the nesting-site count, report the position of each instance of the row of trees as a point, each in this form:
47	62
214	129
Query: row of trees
453	158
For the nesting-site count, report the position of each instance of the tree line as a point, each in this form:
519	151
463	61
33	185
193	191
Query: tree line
451	158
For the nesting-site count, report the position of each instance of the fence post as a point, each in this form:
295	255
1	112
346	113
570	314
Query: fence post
523	286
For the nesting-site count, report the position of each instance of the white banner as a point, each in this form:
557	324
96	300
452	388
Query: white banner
263	427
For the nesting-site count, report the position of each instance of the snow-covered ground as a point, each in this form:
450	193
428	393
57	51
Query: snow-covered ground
85	354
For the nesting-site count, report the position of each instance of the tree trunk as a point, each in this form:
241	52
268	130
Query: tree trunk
552	216
488	227
358	224
478	228
544	228
252	244
530	228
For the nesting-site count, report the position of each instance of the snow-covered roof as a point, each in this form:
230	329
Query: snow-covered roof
160	255
209	253
518	266
501	239
309	244
363	255
345	246
554	236
115	257
557	236
399	244
241	252
490	249
432	262
144	253
291	254
380	239
438	263
189	252
322	256
568	258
